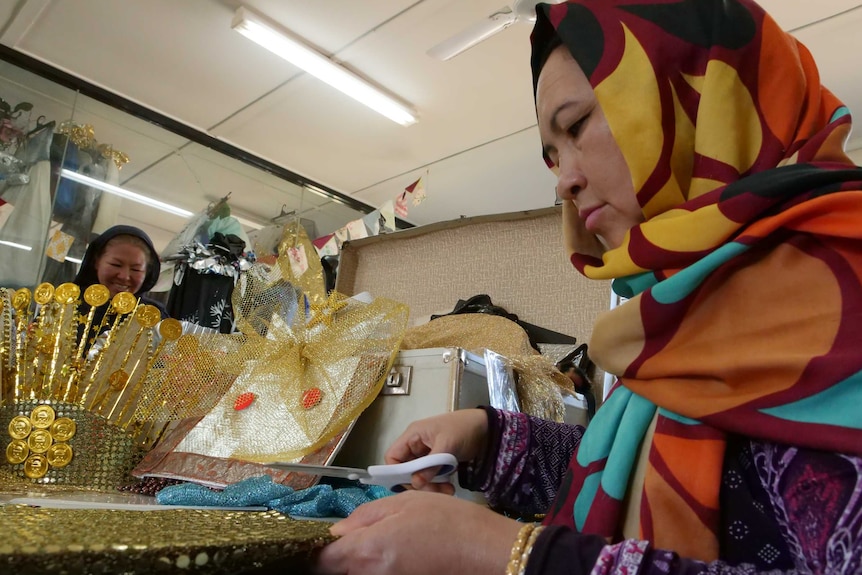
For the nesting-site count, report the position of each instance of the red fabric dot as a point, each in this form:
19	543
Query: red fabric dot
243	401
311	397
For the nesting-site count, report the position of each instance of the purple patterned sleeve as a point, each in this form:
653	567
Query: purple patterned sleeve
525	461
815	499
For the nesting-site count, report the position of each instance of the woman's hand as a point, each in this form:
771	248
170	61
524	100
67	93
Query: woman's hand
461	433
416	533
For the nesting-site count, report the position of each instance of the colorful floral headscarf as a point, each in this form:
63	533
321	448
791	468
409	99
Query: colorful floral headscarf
745	279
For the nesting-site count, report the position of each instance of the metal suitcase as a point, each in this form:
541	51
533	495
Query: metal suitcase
422	383
515	258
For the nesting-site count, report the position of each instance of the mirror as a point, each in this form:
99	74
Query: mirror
65	156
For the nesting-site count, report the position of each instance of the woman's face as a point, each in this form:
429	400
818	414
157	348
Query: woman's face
576	137
122	267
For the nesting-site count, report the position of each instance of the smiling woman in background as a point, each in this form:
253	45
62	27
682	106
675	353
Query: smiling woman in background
122	259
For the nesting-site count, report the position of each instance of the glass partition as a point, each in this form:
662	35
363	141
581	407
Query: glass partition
72	165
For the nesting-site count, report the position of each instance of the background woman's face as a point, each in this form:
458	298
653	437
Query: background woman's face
122	267
576	137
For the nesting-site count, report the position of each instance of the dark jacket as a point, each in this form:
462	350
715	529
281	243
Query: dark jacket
87	274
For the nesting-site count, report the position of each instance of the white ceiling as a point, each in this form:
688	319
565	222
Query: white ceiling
476	140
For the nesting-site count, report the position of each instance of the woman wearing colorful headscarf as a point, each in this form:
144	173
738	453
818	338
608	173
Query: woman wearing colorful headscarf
700	165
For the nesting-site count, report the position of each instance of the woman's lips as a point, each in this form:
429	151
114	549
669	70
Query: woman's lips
590	217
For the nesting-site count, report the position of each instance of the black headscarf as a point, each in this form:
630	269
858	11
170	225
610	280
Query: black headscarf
87	275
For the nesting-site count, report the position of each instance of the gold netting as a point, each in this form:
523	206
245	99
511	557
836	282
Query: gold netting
295	252
300	371
538	379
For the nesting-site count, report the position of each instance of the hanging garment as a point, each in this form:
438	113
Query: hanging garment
202	298
204	281
27	224
75	208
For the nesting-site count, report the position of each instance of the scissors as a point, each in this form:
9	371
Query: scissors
390	476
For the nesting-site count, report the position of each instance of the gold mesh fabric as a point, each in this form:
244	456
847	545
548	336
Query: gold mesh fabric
88	541
285	362
310	281
473	332
538	379
310	365
538	385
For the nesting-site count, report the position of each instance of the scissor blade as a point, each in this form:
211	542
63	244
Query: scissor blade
327	470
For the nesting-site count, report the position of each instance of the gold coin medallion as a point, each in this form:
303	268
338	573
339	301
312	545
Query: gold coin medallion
36	466
118	379
148	316
123	302
63	429
44	293
67	293
170	329
42	416
21	300
17	451
97	295
59	455
20	427
39	441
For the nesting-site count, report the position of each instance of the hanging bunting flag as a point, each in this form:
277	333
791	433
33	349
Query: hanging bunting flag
330	248
298	260
401	205
321	241
341	235
357	230
372	222
59	242
5	212
387	210
417	188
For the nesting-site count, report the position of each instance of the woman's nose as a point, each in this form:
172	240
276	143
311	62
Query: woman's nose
570	179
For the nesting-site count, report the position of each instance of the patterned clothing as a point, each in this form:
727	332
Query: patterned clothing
784	509
745	278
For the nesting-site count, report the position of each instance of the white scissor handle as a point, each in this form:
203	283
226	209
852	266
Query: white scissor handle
397	474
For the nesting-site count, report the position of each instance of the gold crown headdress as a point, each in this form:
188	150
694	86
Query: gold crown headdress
81	405
67	393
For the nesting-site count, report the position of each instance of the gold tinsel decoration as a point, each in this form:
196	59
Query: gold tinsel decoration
538	379
305	365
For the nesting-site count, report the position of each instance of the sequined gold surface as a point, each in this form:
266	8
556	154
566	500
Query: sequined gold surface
98	541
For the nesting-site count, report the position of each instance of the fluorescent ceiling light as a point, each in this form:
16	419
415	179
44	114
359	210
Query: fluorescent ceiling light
14	245
81	178
284	44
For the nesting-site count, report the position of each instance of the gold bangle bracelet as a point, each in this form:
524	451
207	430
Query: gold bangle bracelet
518	548
528	548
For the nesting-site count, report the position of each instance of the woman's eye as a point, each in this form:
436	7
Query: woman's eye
575	129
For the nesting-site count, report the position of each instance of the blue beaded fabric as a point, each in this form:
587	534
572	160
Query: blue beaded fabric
318	501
